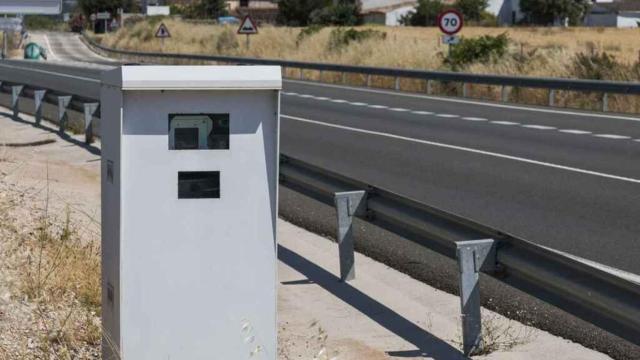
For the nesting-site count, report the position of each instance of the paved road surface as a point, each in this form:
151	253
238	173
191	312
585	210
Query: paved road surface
565	179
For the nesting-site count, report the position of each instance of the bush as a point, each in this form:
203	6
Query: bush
603	66
340	38
482	49
307	32
340	14
227	41
41	22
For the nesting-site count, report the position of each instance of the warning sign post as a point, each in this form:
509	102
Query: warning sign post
248	27
162	33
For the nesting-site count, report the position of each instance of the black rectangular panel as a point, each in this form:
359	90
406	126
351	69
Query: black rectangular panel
198	185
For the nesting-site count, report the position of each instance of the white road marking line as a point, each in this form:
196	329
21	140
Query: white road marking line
322	98
306	96
399	109
449	116
466	149
471	118
539	127
422	112
339	101
50	48
461	101
574	131
505	123
378	106
291	93
359	104
612	136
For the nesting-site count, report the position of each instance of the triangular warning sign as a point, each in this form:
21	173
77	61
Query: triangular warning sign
248	26
163	32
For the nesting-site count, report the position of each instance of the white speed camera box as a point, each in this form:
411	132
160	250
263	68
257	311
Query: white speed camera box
189	210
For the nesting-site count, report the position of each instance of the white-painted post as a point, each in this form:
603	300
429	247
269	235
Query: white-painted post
368	80
429	87
605	102
38	99
473	256
16	91
504	94
397	85
63	104
348	204
552	97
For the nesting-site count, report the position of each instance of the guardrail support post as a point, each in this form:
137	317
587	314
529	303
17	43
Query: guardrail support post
38	98
348	204
429	87
465	90
397	85
63	103
320	77
504	94
284	72
301	74
473	256
89	110
368	80
16	90
605	102
344	78
552	97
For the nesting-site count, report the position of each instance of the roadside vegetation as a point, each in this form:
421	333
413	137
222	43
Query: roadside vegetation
586	53
49	278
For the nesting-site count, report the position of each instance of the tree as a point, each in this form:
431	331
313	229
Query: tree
548	12
342	14
426	13
212	9
89	7
296	12
472	9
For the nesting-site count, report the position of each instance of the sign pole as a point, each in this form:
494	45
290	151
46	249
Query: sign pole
5	44
248	41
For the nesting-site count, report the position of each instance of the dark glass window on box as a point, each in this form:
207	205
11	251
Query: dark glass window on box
198	131
198	185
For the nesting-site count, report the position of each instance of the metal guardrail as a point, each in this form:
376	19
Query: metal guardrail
552	84
606	297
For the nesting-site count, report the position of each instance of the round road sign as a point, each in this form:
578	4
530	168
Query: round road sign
450	22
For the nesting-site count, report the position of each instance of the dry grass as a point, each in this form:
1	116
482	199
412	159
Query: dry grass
51	268
548	52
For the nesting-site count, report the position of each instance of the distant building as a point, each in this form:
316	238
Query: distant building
507	12
616	13
260	10
386	12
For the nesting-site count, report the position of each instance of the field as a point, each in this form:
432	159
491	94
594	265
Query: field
532	51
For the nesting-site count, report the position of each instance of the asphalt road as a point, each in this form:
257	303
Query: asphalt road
564	179
561	178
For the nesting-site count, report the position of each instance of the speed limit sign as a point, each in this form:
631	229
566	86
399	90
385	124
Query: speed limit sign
450	22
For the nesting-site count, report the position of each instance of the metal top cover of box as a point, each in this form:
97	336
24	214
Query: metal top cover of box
189	212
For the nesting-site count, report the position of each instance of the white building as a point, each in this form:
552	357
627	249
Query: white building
386	12
614	13
507	11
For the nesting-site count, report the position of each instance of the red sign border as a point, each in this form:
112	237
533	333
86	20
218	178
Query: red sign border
255	25
449	12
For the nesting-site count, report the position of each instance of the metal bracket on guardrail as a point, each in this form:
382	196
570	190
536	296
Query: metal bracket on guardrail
16	90
89	110
348	204
38	99
63	118
473	256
